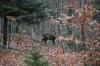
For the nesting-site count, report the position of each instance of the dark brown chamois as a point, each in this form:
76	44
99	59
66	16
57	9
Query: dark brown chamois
47	36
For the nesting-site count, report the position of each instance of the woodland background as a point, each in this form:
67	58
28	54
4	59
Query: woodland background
75	23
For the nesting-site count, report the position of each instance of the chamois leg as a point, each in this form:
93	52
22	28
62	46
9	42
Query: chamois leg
45	41
41	41
53	41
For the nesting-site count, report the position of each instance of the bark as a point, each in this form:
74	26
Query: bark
1	20
82	32
5	32
32	32
69	28
9	32
17	27
82	36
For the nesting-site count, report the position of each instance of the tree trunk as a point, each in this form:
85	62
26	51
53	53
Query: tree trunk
82	36
9	32
82	32
1	20
17	27
5	32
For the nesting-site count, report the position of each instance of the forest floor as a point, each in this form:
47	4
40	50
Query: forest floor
54	54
